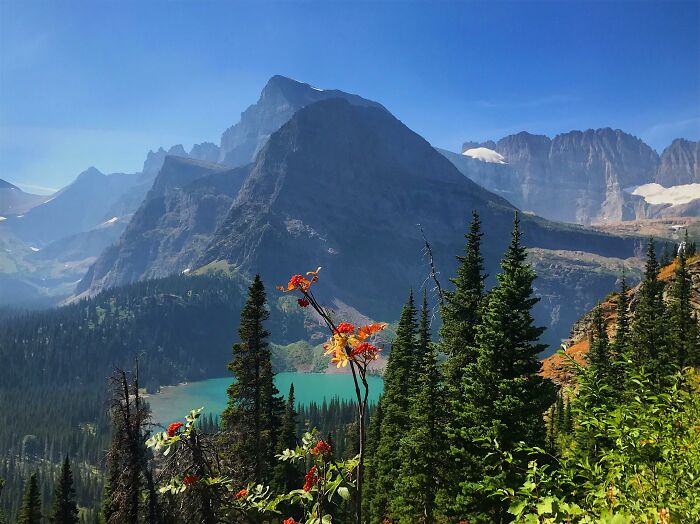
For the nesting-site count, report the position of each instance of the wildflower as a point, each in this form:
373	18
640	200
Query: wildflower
290	520
322	448
188	480
242	494
369	330
311	478
365	349
302	302
345	327
173	428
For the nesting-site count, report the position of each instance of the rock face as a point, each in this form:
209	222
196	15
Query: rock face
583	176
173	225
344	187
279	100
680	164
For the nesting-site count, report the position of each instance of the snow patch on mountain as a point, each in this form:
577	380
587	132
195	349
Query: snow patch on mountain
485	155
675	195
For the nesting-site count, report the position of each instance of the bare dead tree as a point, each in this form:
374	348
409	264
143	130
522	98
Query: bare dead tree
436	290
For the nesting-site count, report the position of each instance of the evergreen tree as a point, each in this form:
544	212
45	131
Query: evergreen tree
249	421
420	450
2	513
682	325
373	437
598	357
619	345
505	396
287	475
30	512
461	315
666	257
461	310
398	379
65	508
649	348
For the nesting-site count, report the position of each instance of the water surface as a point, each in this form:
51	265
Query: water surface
174	402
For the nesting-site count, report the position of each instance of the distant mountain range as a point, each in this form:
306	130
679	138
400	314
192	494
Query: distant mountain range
14	201
314	177
585	177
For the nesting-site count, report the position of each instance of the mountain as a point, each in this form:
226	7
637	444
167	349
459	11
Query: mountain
79	207
279	100
345	187
173	225
14	201
582	177
679	164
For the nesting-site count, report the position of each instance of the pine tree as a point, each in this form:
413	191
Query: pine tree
65	508
598	357
2	513
649	348
398	379
420	450
249	421
682	325
461	314
30	512
505	396
461	311
373	437
287	475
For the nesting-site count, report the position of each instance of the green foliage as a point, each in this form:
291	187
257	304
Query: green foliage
31	503
399	383
505	397
421	450
65	508
683	326
646	470
250	420
287	474
650	345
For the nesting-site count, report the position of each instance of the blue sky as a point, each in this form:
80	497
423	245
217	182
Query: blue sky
101	82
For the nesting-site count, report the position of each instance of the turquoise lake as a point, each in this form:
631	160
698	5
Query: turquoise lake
174	402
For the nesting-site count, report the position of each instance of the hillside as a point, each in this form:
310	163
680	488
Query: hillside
577	345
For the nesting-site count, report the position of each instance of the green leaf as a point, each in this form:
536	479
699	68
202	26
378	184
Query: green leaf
344	492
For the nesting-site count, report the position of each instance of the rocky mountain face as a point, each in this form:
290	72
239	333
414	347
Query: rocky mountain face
173	225
14	201
345	187
679	164
279	100
581	177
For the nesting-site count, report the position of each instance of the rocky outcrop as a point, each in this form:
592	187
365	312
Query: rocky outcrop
279	100
173	225
555	366
680	164
583	177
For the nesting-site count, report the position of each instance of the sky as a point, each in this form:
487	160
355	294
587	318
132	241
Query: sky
100	82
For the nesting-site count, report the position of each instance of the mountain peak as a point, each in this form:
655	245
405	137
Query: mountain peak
90	173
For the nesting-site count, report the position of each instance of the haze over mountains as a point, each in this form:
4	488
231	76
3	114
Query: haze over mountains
584	177
314	177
